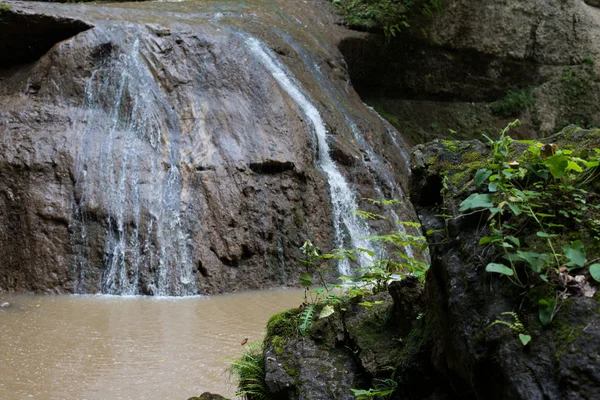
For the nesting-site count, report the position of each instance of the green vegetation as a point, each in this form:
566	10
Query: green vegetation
4	9
389	16
249	372
513	103
323	299
382	389
533	204
516	326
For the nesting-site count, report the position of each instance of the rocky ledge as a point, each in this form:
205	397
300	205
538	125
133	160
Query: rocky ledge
443	339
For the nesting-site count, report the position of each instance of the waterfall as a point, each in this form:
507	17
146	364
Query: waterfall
342	197
127	168
381	171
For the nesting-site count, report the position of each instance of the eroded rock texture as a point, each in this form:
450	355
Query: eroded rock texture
161	151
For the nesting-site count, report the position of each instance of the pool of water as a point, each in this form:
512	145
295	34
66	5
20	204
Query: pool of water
109	347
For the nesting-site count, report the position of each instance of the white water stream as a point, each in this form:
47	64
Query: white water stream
342	197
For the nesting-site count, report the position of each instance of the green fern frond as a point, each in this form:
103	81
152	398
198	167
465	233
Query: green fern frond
249	371
306	319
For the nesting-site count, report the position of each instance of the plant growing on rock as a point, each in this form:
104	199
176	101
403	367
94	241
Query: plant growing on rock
382	389
372	278
389	16
249	372
531	204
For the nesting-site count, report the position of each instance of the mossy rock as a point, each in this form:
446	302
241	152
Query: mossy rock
283	325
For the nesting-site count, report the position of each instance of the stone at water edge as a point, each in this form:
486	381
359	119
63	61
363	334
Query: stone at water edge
208	396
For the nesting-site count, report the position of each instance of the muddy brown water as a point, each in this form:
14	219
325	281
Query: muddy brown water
138	348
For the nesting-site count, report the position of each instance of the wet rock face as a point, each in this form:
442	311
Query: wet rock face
166	159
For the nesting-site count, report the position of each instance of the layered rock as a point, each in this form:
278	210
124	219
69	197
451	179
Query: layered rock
443	72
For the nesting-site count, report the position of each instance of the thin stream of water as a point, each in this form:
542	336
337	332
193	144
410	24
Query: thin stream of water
342	197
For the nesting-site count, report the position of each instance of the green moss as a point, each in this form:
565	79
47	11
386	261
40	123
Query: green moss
461	179
578	86
4	7
432	160
471	157
390	17
299	219
283	324
278	343
565	334
292	372
450	145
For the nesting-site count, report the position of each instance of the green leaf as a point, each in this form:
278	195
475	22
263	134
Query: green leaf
545	310
481	176
487	239
535	260
514	208
513	239
499	268
306	319
493	187
557	164
366	251
591	164
573	166
524	339
546	235
306	279
595	272
326	311
476	200
576	253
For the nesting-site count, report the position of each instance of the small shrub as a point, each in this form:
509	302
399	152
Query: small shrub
389	16
513	103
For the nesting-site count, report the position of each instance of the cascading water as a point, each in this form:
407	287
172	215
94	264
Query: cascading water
111	173
380	171
342	197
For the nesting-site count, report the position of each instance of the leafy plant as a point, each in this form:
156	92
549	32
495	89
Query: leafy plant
516	326
249	372
387	16
382	388
540	195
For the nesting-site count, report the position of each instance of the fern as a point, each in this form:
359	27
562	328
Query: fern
516	327
249	372
306	319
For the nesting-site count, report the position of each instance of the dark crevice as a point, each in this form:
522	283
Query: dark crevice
26	37
204	168
202	270
271	167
